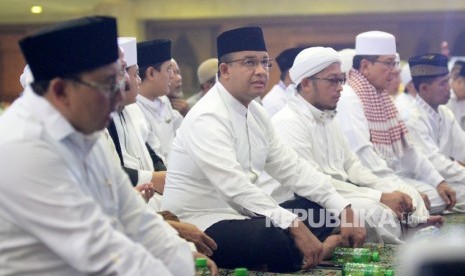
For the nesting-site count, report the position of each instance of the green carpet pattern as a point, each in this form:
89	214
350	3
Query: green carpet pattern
387	253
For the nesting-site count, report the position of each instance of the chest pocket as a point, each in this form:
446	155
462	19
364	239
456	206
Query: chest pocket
259	146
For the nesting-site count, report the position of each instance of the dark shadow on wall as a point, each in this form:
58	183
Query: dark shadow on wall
184	54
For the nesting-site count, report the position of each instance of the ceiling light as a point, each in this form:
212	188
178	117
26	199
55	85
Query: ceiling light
36	9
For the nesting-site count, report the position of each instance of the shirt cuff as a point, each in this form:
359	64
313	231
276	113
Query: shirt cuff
436	178
192	246
144	177
336	203
373	194
283	218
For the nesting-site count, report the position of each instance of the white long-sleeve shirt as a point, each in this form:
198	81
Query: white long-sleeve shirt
458	108
276	99
66	208
354	125
404	104
129	124
440	138
316	137
162	121
220	150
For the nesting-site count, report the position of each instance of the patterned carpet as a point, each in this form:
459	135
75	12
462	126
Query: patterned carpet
387	253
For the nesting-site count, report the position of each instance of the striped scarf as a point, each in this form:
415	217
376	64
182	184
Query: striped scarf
388	132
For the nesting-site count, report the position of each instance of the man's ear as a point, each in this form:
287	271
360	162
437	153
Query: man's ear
423	87
305	82
57	92
364	66
150	73
224	70
58	87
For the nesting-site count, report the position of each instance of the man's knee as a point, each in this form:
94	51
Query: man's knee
279	251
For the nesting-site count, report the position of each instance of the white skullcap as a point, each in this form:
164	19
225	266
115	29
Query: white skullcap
129	46
207	70
405	76
347	56
375	43
26	77
311	61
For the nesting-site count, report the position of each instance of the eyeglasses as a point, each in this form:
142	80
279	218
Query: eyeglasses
111	89
389	64
332	81
266	63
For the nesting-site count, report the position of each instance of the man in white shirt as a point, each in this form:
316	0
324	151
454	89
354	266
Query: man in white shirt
225	142
277	97
347	56
76	212
457	99
206	74
156	73
404	101
137	158
307	124
433	126
373	128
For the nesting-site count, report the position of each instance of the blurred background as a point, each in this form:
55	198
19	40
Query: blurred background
420	26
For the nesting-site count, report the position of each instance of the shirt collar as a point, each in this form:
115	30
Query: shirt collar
230	101
320	116
282	85
425	106
55	124
453	97
156	104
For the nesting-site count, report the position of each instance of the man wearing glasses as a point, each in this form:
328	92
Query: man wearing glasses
66	208
375	132
225	142
307	124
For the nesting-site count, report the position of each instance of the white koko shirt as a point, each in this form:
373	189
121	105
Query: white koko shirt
129	124
404	104
276	99
440	138
354	125
317	137
162	121
66	208
220	150
458	108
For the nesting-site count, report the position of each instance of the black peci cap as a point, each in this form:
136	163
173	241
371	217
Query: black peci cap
153	52
286	58
429	65
71	47
241	39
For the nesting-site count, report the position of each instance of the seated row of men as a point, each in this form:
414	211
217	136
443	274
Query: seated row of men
268	194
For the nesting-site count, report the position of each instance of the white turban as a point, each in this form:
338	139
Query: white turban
311	61
347	56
